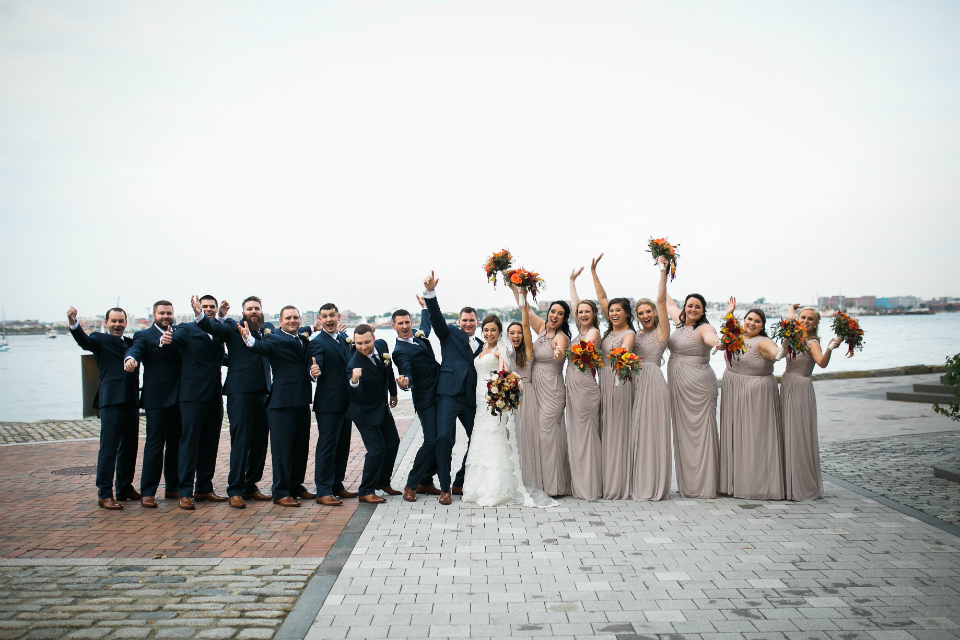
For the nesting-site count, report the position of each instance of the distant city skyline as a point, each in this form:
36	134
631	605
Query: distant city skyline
321	152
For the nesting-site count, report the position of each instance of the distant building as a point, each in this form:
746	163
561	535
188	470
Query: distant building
308	318
903	302
846	302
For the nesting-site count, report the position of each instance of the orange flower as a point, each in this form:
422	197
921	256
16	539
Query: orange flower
516	279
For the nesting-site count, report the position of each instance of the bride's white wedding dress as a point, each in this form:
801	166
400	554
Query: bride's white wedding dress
493	475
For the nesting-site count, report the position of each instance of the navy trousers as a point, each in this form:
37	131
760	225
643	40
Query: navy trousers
119	439
449	410
289	445
382	443
199	444
161	450
425	463
333	451
249	432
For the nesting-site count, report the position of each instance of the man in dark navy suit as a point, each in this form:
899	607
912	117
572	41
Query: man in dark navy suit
201	407
456	387
371	381
247	388
332	352
160	400
419	372
117	401
289	406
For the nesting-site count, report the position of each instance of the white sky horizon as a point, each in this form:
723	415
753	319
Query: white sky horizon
309	153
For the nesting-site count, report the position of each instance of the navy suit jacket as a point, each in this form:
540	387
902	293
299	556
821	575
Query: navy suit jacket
368	400
291	374
332	395
116	385
247	371
418	363
200	359
161	375
457	373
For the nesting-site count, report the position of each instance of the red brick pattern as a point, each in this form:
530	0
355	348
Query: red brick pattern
43	515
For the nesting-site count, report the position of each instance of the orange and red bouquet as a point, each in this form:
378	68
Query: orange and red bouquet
660	247
625	364
848	330
503	393
792	335
731	338
585	355
498	262
523	279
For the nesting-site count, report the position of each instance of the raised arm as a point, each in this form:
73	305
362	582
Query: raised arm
218	329
536	322
673	310
433	307
822	357
527	337
663	315
424	317
574	298
602	300
79	335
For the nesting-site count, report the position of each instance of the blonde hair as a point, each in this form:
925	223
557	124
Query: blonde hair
812	334
650	303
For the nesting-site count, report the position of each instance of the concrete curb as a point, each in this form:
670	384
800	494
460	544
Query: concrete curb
166	563
297	624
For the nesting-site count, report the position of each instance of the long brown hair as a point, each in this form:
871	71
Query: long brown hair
596	315
520	351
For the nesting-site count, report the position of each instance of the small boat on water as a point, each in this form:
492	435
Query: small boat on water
51	333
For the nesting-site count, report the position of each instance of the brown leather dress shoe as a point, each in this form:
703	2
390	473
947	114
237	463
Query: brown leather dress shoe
409	494
329	501
149	502
428	489
129	495
390	491
457	491
372	499
171	495
109	503
237	502
343	493
445	498
306	495
256	495
213	496
287	502
187	503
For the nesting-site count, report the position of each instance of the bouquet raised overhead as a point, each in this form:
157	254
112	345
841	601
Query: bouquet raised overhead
525	281
503	393
497	263
658	247
585	357
848	330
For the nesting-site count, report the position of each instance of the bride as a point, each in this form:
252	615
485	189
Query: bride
493	475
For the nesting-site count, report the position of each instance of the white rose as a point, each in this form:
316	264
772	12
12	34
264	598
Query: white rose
500	404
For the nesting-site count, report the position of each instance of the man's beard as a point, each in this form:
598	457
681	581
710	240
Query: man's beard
164	323
254	322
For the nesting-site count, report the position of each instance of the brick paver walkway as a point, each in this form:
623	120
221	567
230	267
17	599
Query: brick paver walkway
43	515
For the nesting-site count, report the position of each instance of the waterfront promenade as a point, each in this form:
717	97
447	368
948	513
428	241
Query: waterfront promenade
859	564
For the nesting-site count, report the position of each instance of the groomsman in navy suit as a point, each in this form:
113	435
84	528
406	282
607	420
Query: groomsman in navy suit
247	389
419	372
456	386
331	351
289	406
201	407
370	379
117	401
160	400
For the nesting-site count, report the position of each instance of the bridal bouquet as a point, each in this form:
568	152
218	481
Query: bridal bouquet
660	247
792	336
498	262
585	356
625	364
848	330
525	280
731	338
503	393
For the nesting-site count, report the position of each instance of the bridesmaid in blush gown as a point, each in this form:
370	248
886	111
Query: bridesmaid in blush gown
649	452
583	405
801	446
549	354
693	399
616	401
751	425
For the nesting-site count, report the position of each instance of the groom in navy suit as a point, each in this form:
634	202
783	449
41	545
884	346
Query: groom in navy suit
456	387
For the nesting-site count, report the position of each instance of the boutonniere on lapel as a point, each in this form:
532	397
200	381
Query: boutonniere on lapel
386	359
267	332
419	334
350	344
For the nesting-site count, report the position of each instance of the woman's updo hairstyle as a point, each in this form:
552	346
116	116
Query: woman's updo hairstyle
763	319
492	319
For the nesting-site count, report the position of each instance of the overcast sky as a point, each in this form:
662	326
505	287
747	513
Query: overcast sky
315	152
